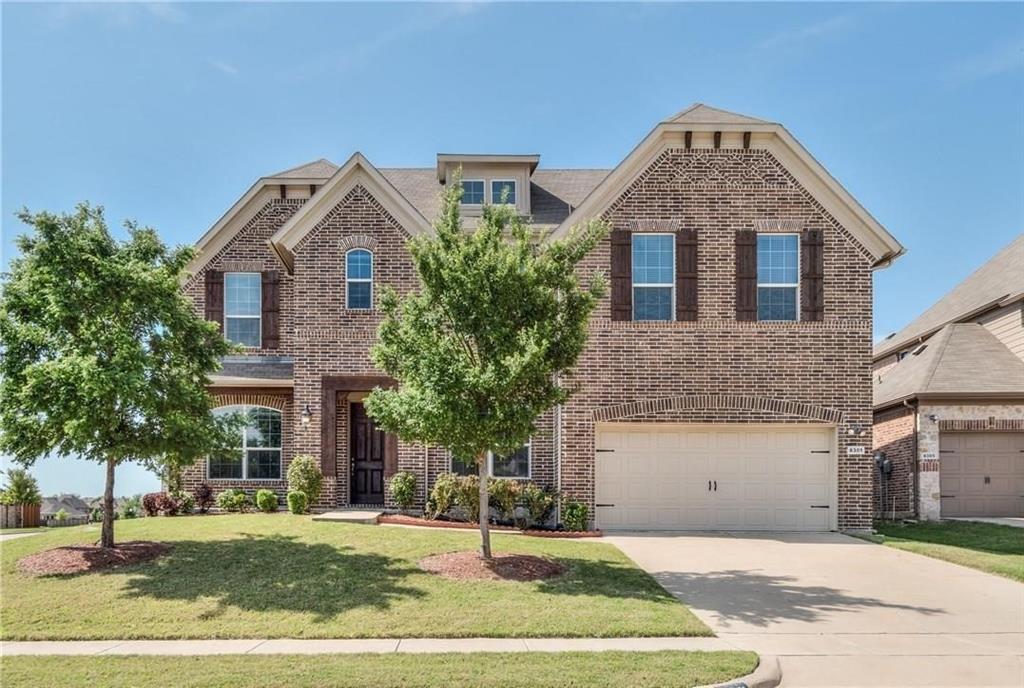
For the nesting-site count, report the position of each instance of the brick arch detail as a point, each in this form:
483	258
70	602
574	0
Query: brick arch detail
269	400
719	401
359	241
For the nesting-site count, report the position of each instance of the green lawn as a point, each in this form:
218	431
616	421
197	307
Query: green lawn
983	546
274	576
510	670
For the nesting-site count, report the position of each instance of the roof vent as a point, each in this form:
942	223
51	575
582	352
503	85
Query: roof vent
919	350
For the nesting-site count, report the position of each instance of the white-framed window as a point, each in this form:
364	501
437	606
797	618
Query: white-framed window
501	186
258	455
472	192
654	276
359	279
515	465
243	308
778	277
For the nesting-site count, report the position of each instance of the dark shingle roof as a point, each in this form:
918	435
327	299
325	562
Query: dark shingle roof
317	169
961	358
1000	277
257	367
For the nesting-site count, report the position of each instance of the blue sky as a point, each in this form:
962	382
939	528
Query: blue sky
166	113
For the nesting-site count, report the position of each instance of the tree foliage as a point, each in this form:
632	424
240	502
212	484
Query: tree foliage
478	350
103	357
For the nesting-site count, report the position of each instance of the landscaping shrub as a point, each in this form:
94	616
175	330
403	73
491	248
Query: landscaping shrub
574	515
304	476
233	499
129	510
166	504
266	501
538	503
297	502
61	516
204	497
150	505
402	487
21	488
186	502
504	495
96	515
442	496
467	496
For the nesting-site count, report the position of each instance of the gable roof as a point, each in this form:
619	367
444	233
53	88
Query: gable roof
321	168
962	359
356	171
995	283
700	118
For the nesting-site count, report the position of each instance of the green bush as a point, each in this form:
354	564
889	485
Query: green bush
186	502
574	515
504	496
233	499
266	501
538	503
61	516
96	515
132	507
21	488
304	476
402	487
467	496
442	496
297	502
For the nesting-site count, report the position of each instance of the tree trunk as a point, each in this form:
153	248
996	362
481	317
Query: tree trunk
107	534
485	510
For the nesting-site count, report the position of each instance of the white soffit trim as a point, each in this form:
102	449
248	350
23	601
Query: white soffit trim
882	246
356	171
224	230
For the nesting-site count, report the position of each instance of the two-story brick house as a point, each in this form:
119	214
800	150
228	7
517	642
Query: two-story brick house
727	380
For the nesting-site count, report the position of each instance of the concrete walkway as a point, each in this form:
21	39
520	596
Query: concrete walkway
839	611
315	647
15	536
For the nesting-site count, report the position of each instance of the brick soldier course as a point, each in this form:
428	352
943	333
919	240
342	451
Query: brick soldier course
705	178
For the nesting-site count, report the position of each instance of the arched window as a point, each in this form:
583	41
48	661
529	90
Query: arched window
258	455
359	279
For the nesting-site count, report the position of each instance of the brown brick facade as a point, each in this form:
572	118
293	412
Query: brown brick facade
894	434
711	370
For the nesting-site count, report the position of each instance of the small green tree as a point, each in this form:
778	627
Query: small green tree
479	349
103	357
21	488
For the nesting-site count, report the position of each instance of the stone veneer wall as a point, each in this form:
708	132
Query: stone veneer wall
953	418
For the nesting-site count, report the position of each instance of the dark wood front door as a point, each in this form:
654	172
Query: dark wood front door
367	447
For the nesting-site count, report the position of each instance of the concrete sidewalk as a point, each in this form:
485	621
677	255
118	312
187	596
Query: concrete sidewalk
314	647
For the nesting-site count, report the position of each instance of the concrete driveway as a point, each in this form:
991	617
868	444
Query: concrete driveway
839	611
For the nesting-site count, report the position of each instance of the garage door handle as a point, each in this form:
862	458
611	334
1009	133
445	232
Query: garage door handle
819	506
709	486
604	505
716	486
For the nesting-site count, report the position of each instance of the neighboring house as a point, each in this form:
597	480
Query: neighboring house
726	383
949	400
73	505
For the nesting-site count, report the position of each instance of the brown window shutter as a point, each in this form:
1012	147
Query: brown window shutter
686	274
622	274
812	273
271	309
214	285
746	274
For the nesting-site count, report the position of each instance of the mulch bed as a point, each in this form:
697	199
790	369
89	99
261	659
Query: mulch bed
65	561
405	520
508	567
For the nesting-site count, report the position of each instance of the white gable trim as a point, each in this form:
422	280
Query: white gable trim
356	172
882	246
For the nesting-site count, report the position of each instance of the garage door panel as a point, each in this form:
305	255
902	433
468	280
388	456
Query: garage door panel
982	474
767	478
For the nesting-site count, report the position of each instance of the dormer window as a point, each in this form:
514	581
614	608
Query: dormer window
472	192
501	187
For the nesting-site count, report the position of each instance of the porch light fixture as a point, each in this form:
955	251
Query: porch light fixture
855	430
307	415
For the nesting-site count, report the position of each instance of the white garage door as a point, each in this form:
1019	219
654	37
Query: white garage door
726	477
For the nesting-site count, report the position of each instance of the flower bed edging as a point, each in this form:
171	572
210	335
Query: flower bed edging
403	520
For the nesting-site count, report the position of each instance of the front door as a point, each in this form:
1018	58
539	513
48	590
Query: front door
367	447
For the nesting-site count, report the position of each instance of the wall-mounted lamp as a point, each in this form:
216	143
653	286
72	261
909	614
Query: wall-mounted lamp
933	418
855	430
307	415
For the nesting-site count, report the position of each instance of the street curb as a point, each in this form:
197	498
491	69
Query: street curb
768	674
